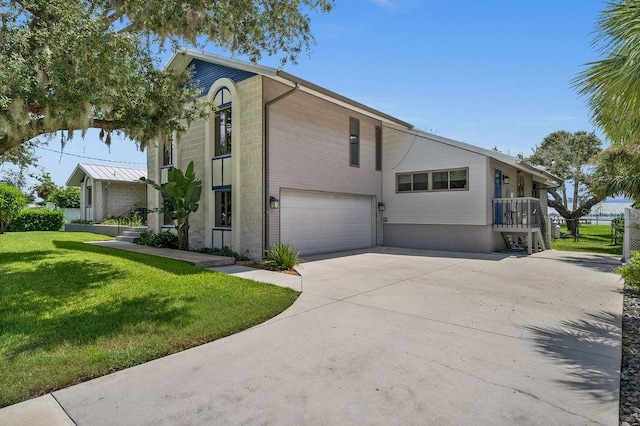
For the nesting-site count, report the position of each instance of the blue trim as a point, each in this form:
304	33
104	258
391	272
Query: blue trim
221	188
206	73
221	157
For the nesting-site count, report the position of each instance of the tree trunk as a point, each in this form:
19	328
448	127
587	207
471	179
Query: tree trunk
571	217
183	235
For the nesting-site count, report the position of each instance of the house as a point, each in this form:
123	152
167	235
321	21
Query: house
282	159
107	191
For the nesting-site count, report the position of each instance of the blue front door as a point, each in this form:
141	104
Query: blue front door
497	193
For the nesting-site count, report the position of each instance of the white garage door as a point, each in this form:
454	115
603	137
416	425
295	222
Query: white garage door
322	223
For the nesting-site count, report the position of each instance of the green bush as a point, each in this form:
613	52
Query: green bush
165	239
631	271
81	221
66	198
225	251
12	200
281	256
37	220
133	220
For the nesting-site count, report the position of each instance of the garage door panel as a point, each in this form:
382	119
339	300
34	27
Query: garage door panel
320	223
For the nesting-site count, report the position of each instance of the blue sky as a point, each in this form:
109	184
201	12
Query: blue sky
489	73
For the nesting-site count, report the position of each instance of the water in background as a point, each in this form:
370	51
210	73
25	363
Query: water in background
601	213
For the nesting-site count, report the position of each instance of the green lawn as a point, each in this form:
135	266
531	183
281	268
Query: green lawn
593	239
70	311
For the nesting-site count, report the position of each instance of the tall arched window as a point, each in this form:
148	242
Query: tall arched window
222	126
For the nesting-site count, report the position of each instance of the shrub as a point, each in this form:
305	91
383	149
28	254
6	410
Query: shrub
66	198
225	251
165	239
133	220
281	256
631	271
37	220
12	200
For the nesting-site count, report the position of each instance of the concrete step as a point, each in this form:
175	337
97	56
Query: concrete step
130	233
137	228
128	238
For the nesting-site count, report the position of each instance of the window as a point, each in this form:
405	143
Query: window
222	122
404	183
167	221
89	197
458	179
413	182
378	148
420	181
223	209
167	153
354	142
440	180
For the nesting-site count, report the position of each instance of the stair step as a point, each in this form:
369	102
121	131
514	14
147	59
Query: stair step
127	238
130	233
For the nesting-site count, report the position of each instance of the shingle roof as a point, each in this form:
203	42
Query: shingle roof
105	173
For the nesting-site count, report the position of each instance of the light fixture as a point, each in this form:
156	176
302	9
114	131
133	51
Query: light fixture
273	202
380	207
505	179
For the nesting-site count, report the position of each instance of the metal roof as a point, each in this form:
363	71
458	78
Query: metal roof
105	173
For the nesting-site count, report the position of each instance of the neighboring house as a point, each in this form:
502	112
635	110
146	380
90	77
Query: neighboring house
107	191
282	159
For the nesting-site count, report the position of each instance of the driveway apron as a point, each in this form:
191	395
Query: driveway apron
396	336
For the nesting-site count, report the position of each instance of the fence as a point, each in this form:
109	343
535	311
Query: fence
631	240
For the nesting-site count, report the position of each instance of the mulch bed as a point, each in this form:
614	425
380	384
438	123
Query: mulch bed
630	369
262	266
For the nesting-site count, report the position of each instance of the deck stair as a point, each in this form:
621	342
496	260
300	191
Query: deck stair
532	241
522	223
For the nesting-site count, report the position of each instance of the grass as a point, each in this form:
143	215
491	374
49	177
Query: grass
593	239
70	311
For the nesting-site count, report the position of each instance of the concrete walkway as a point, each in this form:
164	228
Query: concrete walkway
201	260
394	337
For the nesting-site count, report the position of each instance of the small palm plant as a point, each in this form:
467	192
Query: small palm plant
181	195
281	256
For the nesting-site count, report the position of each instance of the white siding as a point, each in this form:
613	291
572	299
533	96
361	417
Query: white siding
404	152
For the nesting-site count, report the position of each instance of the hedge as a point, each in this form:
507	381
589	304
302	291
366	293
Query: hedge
37	220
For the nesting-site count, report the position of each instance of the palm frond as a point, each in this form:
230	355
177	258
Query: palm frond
612	85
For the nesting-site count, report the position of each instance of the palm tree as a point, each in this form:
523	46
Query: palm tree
612	89
618	172
612	85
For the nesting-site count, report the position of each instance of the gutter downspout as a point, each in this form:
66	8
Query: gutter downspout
265	165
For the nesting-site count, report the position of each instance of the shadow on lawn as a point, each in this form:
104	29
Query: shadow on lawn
590	348
60	302
51	283
168	265
110	318
25	257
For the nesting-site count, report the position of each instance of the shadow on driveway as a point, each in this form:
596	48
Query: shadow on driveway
588	348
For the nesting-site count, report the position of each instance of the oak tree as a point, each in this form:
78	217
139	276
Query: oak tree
68	65
567	155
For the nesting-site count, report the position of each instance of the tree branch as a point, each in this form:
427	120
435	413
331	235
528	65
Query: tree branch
37	127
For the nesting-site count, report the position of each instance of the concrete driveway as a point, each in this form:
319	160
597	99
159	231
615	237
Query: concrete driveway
393	336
